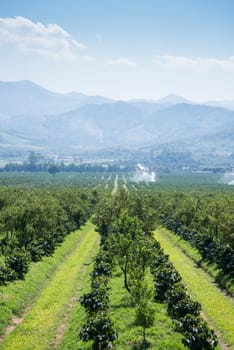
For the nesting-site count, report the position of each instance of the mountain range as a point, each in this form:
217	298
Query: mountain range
34	118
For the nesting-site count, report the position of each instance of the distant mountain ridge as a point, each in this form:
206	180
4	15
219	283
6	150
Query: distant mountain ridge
32	117
173	99
30	98
223	104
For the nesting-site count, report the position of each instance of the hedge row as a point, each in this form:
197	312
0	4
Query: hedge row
210	250
168	287
99	327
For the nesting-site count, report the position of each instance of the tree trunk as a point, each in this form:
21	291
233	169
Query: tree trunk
124	269
144	336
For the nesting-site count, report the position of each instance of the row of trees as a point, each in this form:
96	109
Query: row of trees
125	223
185	312
98	327
209	213
35	163
211	251
129	243
57	167
33	222
204	219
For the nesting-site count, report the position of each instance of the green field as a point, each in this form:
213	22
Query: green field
41	309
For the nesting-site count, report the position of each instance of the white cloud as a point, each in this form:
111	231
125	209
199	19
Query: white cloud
122	61
195	63
48	40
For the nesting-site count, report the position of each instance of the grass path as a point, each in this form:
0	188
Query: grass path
77	318
39	328
115	188
125	183
217	307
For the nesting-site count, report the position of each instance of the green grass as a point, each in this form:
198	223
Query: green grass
115	188
17	296
218	308
161	336
71	340
39	328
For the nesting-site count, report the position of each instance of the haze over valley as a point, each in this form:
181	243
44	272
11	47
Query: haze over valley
34	118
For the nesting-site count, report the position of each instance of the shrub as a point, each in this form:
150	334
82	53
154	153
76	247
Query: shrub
7	275
95	300
18	261
197	334
165	279
100	330
185	306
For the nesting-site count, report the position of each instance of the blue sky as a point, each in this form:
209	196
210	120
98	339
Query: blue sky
121	48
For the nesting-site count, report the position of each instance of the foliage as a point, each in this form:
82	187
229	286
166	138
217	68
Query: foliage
145	316
169	288
100	330
96	300
210	250
197	334
99	327
165	277
33	222
18	262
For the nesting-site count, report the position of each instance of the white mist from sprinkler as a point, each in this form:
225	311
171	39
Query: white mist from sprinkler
143	174
228	178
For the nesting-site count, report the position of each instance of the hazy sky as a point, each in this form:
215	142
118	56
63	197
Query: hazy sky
121	48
